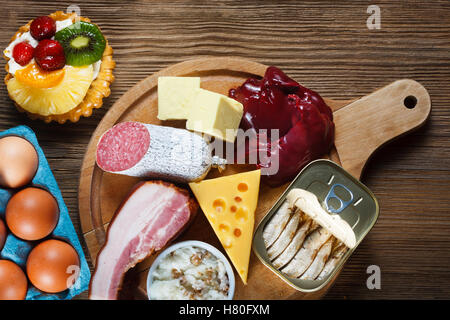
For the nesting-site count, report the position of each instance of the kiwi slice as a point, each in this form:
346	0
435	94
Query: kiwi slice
83	43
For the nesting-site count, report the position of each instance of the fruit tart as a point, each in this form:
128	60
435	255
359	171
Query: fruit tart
59	67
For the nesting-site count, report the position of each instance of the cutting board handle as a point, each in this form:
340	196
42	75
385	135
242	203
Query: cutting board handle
368	123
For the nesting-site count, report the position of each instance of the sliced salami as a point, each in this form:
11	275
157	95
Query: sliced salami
123	146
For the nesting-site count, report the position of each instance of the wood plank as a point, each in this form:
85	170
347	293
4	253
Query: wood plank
324	45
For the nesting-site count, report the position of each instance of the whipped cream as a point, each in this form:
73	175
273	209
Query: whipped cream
26	37
63	24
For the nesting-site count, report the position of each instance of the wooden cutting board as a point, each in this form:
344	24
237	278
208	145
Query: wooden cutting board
362	126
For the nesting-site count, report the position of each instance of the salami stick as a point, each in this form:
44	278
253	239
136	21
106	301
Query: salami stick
150	151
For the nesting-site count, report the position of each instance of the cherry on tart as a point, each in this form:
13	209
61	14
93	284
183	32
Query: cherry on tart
23	53
49	55
43	28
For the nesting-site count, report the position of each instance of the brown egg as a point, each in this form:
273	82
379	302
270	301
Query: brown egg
13	282
53	266
3	234
32	213
19	162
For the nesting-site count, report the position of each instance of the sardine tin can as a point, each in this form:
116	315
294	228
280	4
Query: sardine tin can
339	193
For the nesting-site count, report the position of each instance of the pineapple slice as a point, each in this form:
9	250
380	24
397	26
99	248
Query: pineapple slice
59	99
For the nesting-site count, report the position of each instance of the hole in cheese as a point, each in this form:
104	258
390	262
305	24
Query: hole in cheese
237	199
227	243
242	214
219	205
237	232
224	227
242	187
233	208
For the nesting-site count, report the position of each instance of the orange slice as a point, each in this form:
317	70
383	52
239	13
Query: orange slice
35	77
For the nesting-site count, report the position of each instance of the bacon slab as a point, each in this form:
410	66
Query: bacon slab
153	214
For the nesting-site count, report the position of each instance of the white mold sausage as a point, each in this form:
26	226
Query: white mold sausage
144	150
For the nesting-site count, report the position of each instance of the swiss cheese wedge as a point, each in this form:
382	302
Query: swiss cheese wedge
229	203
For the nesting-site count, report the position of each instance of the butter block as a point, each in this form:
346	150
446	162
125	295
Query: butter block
214	114
173	95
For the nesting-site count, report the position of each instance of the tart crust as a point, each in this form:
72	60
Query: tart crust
97	91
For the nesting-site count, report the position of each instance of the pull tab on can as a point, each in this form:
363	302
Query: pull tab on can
332	195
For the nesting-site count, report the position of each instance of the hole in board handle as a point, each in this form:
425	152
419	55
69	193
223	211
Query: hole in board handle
410	102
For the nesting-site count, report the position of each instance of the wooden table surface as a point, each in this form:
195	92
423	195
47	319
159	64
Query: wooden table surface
326	46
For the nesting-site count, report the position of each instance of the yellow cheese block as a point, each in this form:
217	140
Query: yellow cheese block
229	203
214	114
173	95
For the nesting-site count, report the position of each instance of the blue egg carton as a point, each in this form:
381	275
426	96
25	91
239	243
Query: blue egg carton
17	250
